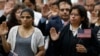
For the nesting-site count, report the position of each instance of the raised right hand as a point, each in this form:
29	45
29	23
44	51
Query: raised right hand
8	7
3	29
54	35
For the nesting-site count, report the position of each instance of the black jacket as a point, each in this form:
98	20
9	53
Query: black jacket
67	44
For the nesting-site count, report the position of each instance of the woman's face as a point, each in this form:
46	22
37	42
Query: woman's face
17	14
99	18
26	19
75	18
96	10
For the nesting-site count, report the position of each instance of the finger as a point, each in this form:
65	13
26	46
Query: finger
4	24
77	45
53	29
77	49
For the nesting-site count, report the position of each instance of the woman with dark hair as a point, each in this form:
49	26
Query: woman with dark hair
94	15
76	39
14	18
24	39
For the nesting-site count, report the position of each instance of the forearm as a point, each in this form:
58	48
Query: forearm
6	45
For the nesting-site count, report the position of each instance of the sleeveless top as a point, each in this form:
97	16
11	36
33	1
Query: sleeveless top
23	46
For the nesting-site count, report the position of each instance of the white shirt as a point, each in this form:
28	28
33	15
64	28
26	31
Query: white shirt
37	17
1	12
89	16
74	31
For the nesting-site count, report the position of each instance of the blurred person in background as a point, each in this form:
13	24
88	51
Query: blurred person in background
89	5
97	29
94	15
7	10
14	17
2	4
39	4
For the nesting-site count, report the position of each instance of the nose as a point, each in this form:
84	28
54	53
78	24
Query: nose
66	11
72	15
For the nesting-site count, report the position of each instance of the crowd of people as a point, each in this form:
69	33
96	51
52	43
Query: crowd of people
49	28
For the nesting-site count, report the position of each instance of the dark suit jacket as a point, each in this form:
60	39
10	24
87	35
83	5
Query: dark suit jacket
45	28
96	29
53	22
67	44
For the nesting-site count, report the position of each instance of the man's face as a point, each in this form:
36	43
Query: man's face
64	9
29	4
90	5
2	3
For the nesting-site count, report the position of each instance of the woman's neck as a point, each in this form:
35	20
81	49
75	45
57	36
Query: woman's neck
74	26
27	27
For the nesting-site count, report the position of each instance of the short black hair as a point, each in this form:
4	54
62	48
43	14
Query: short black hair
98	3
67	1
32	1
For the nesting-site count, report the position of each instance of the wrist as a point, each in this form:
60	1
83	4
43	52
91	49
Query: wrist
3	36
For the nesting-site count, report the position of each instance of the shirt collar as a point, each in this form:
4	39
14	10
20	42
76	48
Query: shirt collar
80	27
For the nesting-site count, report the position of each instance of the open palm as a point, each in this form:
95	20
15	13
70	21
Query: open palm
3	29
8	7
54	35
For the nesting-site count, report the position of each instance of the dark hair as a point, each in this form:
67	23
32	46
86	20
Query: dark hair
98	3
67	1
63	1
32	1
83	13
30	11
12	21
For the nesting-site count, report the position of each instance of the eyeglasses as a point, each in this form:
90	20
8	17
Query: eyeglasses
64	9
74	14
